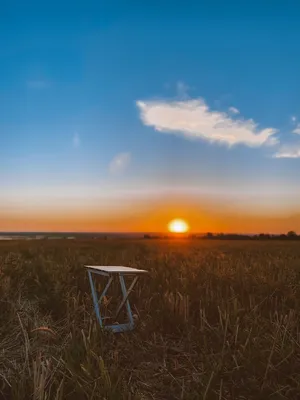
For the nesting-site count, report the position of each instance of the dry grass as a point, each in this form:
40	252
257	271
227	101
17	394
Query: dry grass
217	320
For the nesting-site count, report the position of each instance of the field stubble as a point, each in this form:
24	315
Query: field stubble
216	320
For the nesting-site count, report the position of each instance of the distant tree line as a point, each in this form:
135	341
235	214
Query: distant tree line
291	235
147	236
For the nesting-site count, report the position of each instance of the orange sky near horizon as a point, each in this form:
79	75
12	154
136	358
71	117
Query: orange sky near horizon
141	217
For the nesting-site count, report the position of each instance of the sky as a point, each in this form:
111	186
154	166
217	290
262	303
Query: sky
119	116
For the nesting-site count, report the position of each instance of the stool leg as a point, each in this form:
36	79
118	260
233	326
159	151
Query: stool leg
125	297
95	299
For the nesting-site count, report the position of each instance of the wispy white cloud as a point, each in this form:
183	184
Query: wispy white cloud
37	84
76	140
288	151
234	110
119	163
193	119
293	118
297	129
182	90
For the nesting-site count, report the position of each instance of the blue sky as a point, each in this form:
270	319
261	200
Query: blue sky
141	99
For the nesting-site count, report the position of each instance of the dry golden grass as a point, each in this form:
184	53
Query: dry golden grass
216	320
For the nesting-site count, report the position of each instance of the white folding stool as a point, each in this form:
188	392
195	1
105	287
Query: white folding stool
114	272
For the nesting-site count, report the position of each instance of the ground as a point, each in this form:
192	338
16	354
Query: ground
215	320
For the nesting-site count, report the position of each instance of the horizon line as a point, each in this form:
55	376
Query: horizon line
134	233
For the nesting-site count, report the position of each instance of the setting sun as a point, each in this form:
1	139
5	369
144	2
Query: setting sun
178	226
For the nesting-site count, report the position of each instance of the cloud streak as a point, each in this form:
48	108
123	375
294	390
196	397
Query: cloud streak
234	110
297	129
37	84
192	119
182	90
288	151
76	140
119	163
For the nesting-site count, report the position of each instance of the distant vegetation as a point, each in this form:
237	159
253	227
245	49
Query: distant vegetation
262	236
230	236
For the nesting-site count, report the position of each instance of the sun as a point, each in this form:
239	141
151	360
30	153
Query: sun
178	226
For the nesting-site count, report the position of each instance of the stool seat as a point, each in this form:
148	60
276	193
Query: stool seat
116	270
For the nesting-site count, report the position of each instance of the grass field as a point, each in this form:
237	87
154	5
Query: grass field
216	320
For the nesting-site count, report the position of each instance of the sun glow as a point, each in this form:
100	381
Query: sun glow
178	226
